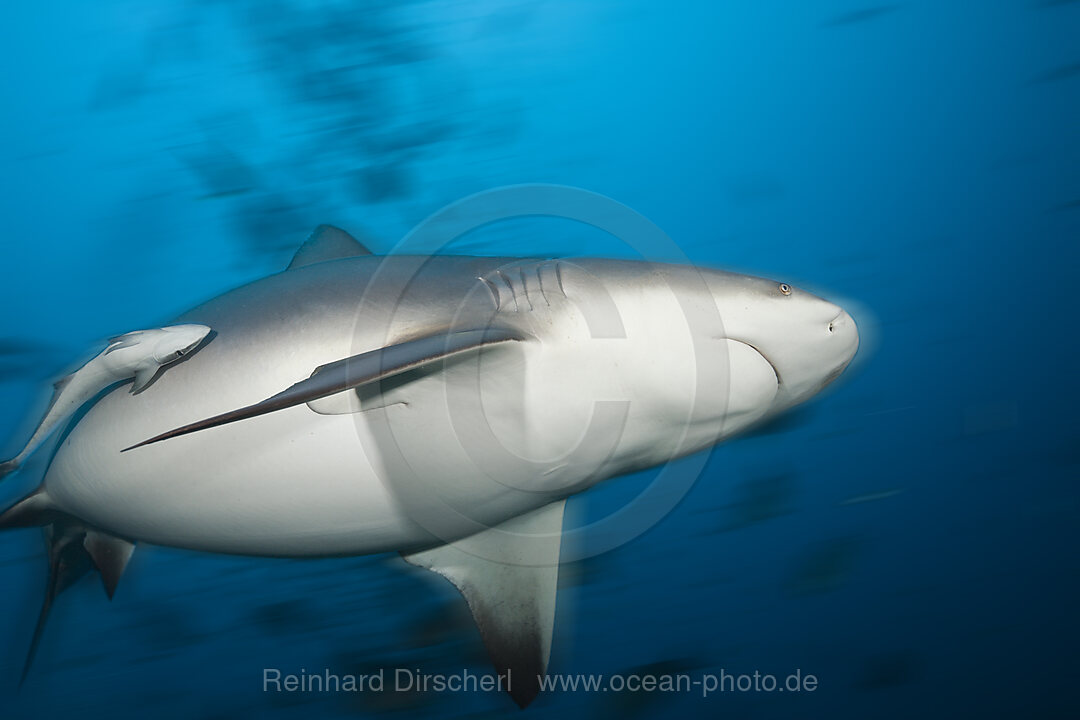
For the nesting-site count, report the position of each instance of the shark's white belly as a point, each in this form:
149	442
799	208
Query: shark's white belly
206	494
291	483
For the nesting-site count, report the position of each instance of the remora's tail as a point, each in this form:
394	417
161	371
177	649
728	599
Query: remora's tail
73	550
7	467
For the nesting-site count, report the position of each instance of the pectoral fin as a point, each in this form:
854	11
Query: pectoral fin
352	372
143	377
508	576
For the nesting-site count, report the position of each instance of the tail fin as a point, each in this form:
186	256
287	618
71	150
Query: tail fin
7	467
73	551
68	561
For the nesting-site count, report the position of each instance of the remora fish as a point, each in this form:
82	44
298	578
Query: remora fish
137	355
440	407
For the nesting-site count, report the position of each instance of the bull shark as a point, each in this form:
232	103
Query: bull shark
440	407
136	356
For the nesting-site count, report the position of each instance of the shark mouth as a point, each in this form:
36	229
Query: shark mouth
776	372
752	381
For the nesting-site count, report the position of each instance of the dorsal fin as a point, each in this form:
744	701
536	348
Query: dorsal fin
509	577
327	242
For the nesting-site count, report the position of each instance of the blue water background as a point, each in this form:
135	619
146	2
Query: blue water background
918	162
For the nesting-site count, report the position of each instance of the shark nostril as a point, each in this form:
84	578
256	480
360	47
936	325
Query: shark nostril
839	324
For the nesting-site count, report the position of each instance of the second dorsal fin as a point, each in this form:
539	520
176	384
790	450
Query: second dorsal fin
327	242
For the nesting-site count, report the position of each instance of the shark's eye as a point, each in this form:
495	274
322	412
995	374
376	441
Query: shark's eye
785	288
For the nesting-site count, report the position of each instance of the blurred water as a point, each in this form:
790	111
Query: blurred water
909	539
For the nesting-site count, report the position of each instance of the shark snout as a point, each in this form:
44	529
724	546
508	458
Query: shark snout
190	335
845	335
810	352
841	344
176	341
